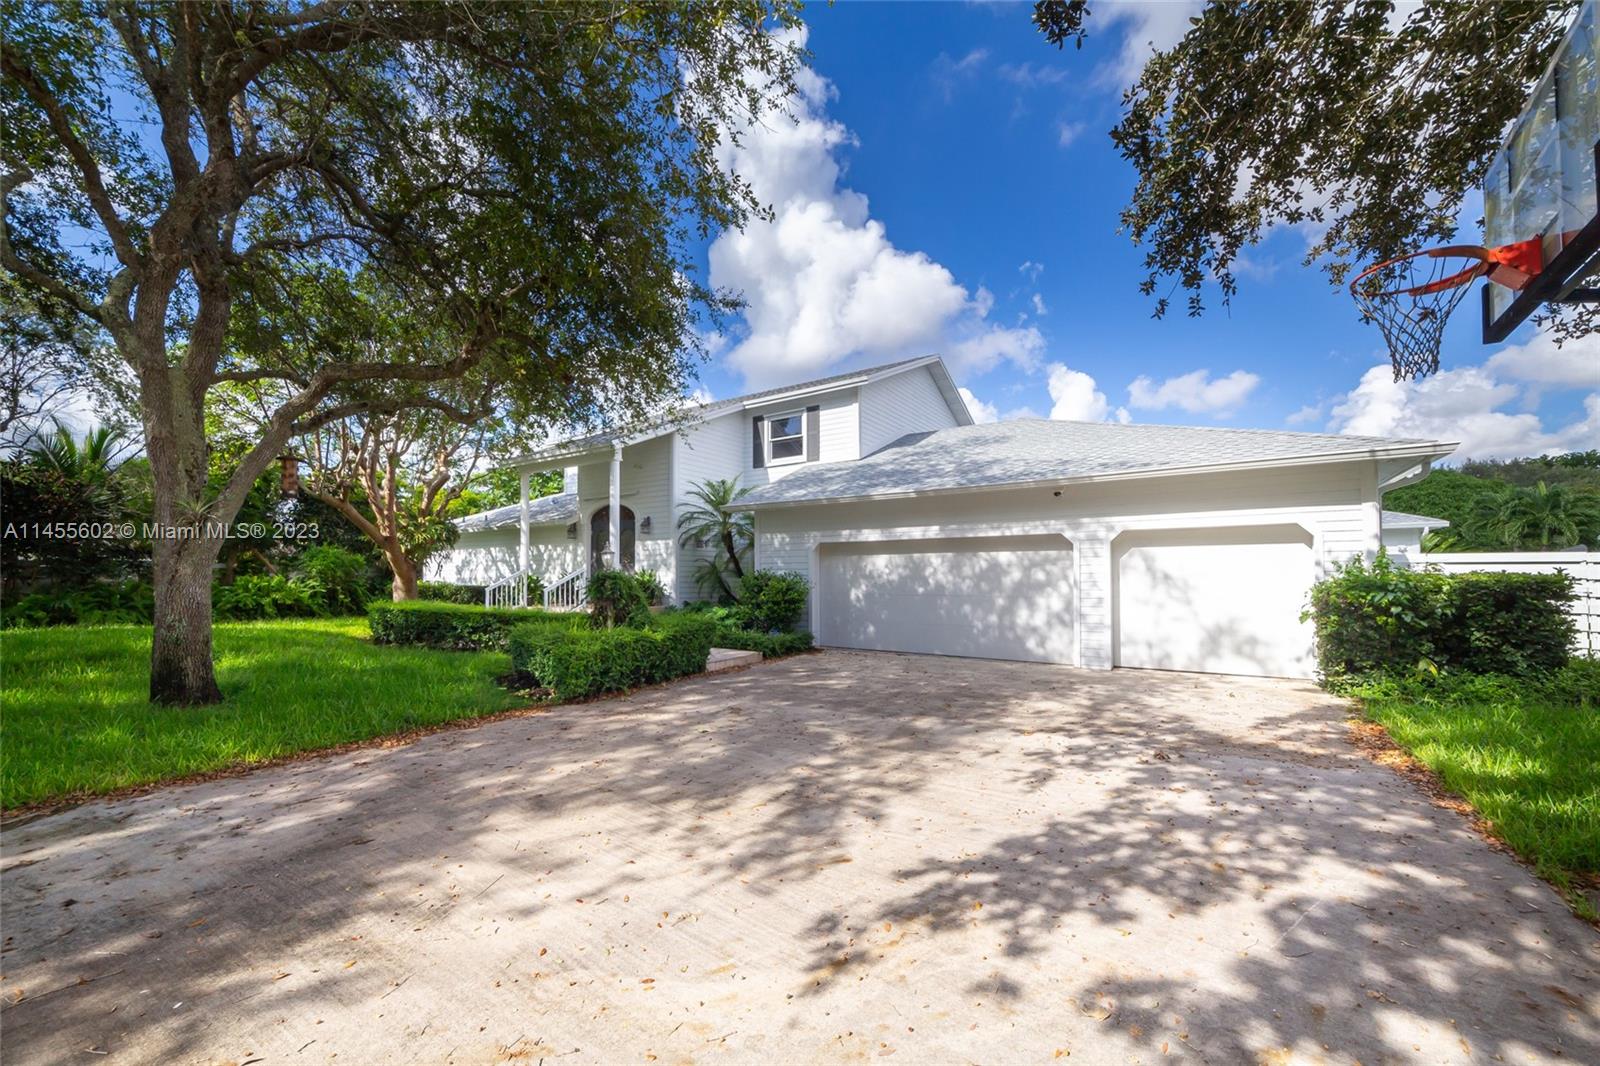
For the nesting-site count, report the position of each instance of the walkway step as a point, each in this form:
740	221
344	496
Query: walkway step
729	659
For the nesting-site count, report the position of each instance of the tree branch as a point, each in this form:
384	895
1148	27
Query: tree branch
60	125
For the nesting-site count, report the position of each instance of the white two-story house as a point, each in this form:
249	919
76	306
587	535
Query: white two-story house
1092	544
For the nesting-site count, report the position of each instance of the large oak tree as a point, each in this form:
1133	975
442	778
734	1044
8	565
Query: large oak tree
529	175
1366	125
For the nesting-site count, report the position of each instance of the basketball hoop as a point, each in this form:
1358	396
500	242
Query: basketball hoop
1412	296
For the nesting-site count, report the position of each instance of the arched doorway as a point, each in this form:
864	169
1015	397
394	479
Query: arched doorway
600	534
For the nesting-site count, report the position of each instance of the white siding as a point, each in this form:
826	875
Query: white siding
486	556
838	424
1329	500
909	402
708	451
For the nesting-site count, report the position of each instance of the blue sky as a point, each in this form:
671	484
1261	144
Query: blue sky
951	187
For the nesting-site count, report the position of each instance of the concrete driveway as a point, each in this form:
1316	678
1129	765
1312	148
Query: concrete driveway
841	856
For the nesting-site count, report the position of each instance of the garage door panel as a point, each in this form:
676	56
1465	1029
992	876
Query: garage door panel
1216	601
992	597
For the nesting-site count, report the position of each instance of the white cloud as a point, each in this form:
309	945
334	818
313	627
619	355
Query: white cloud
981	350
1067	132
1147	28
1031	270
822	281
701	395
1074	396
1030	75
1039	307
1462	404
949	73
981	412
1309	413
1195	392
1576	364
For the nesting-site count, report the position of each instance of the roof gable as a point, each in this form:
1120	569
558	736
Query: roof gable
717	408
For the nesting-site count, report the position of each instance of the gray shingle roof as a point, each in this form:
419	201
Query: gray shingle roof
1037	450
558	509
1406	520
715	407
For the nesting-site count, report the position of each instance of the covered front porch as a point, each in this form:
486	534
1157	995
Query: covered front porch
621	518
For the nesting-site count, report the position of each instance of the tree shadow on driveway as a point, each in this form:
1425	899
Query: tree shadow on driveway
834	855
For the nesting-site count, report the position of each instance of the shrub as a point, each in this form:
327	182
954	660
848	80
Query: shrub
616	598
445	592
115	603
1378	618
771	601
1509	623
252	597
650	584
456	626
334	578
574	663
770	645
1575	685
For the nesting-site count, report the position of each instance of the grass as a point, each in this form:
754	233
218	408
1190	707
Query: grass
1525	755
76	721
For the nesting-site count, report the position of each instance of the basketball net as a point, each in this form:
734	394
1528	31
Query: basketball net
1412	296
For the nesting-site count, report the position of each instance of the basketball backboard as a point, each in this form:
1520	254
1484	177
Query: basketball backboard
1542	184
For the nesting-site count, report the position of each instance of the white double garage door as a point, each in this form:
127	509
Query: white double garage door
1209	600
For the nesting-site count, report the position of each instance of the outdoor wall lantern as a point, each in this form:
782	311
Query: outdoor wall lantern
644	525
572	531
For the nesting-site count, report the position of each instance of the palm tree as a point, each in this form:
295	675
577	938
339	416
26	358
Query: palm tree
89	462
1540	518
708	522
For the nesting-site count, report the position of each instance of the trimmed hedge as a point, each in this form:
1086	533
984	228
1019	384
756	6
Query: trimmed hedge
770	645
1377	619
573	663
445	592
458	626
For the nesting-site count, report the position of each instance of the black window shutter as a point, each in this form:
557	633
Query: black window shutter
813	432
758	457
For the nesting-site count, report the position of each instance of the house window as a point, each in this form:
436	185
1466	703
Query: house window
786	438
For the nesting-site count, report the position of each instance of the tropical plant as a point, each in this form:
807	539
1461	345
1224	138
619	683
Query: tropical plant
527	174
91	460
650	582
709	523
67	503
1540	518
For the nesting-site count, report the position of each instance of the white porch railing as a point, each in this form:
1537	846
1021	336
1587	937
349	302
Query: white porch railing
508	591
569	592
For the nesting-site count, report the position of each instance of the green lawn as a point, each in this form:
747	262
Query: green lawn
1526	755
76	721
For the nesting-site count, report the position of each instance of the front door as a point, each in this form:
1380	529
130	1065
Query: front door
600	534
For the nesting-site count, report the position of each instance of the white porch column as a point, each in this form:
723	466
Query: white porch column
614	534
522	547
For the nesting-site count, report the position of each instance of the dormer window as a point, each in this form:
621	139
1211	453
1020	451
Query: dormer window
786	438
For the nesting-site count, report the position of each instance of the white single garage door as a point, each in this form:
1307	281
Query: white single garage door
1221	601
984	597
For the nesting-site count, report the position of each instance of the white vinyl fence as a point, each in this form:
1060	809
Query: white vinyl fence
1584	566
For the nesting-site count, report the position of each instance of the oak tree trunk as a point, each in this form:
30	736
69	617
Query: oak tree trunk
181	671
